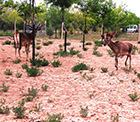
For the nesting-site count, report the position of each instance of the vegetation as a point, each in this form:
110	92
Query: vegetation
56	63
3	109
16	61
54	118
4	88
80	66
33	72
44	87
8	72
84	112
134	97
104	70
20	110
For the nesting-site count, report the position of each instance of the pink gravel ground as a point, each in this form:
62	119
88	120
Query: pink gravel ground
69	90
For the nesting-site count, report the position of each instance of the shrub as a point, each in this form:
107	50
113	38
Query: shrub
99	43
3	109
73	52
68	43
50	31
115	119
47	43
7	42
56	63
8	72
84	112
33	72
88	43
44	87
134	50
16	61
4	88
38	47
79	67
104	70
54	118
138	74
32	92
37	107
18	75
134	97
85	48
97	53
39	62
20	110
24	66
80	55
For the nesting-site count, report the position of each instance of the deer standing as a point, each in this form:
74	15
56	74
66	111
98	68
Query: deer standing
24	39
119	48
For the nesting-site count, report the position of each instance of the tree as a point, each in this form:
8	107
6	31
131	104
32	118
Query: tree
53	18
63	4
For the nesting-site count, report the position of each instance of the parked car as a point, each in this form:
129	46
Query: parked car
132	28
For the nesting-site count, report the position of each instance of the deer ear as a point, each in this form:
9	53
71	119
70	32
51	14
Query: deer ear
102	36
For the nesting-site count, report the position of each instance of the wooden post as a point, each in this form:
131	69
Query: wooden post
139	33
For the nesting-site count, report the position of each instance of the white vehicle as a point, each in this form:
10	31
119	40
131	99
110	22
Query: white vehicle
132	28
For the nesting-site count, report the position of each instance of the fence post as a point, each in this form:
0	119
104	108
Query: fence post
139	33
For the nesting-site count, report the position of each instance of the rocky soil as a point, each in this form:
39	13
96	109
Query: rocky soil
105	95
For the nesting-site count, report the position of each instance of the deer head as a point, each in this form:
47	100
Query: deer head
37	28
107	38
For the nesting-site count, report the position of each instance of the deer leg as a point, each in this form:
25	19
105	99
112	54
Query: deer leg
27	51
126	60
116	62
130	61
19	53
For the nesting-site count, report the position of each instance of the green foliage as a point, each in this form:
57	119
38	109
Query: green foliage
110	52
134	97
80	55
20	110
18	75
134	50
39	62
73	52
56	63
8	72
25	66
99	43
85	48
16	61
3	109
111	73
115	119
97	53
138	74
88	43
104	70
4	88
121	81
7	42
50	31
47	43
33	72
44	87
84	112
54	118
68	43
85	76
38	47
32	92
133	80
37	107
80	66
127	70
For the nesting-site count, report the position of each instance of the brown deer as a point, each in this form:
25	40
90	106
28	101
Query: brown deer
24	39
119	48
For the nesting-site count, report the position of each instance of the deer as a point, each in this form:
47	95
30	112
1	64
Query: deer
120	49
24	39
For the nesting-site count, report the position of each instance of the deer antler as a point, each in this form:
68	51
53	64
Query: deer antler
40	25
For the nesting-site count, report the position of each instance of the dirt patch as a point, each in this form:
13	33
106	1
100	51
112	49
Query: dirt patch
104	95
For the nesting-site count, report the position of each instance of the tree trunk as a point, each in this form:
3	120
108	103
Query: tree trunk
62	23
15	27
102	28
56	33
